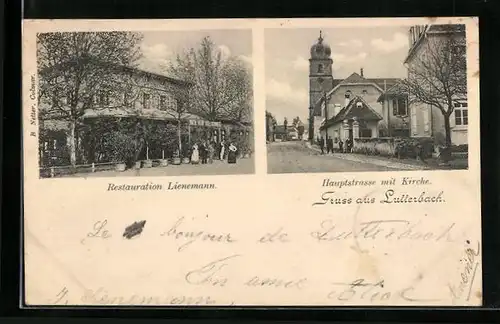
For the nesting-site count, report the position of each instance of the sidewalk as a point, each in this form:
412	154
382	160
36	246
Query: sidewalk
375	160
242	166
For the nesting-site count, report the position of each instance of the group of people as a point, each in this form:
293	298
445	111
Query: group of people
329	147
207	151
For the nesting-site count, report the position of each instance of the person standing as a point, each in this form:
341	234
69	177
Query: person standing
195	155
322	145
211	151
341	146
203	152
222	151
232	153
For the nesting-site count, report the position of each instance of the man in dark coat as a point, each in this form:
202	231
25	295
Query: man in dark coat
322	145
232	153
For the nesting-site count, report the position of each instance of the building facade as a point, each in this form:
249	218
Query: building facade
425	119
348	108
128	95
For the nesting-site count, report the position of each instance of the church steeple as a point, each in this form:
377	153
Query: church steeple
320	71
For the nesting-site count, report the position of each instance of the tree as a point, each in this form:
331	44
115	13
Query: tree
76	69
180	113
438	76
222	86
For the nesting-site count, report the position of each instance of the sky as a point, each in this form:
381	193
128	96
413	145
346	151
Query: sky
380	51
160	47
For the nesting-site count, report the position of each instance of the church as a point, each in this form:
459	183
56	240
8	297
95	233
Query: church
354	107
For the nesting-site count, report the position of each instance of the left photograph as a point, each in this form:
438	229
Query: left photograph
160	103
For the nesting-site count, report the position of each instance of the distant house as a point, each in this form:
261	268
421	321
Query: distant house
290	134
425	120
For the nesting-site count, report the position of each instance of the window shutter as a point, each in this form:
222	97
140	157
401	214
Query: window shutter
414	121
427	125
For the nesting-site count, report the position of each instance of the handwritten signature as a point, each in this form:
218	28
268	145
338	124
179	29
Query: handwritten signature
361	289
468	274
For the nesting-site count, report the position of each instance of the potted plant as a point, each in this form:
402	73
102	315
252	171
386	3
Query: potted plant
122	149
163	161
147	163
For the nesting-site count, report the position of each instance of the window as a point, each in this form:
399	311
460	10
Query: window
365	133
461	114
126	98
348	94
102	98
163	102
320	68
365	91
146	98
459	50
399	107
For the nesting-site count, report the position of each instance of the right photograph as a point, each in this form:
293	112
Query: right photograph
377	98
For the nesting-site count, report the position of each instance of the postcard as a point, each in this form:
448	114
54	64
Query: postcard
252	162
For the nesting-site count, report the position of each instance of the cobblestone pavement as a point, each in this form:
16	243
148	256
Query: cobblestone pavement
297	157
242	166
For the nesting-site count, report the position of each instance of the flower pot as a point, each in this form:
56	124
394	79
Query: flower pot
186	160
138	164
147	163
120	167
176	161
163	162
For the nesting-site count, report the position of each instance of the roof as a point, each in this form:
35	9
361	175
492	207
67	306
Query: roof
452	28
397	90
365	112
143	113
355	78
116	66
435	29
382	83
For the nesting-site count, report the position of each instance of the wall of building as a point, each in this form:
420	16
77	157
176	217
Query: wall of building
371	96
459	133
422	115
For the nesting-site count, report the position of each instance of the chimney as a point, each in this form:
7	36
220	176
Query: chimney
361	72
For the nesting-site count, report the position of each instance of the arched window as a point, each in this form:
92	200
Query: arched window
320	68
348	94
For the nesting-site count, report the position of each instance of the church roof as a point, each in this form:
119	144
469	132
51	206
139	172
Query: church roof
355	78
363	112
380	82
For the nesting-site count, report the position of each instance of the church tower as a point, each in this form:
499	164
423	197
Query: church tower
320	72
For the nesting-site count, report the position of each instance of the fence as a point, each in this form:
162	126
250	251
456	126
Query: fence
55	171
382	145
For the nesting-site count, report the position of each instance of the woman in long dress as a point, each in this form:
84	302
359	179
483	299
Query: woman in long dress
222	150
232	153
195	156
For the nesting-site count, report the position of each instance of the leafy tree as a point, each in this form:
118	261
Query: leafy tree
437	77
222	86
77	72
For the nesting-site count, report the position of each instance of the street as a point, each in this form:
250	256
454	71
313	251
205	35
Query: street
296	157
242	166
